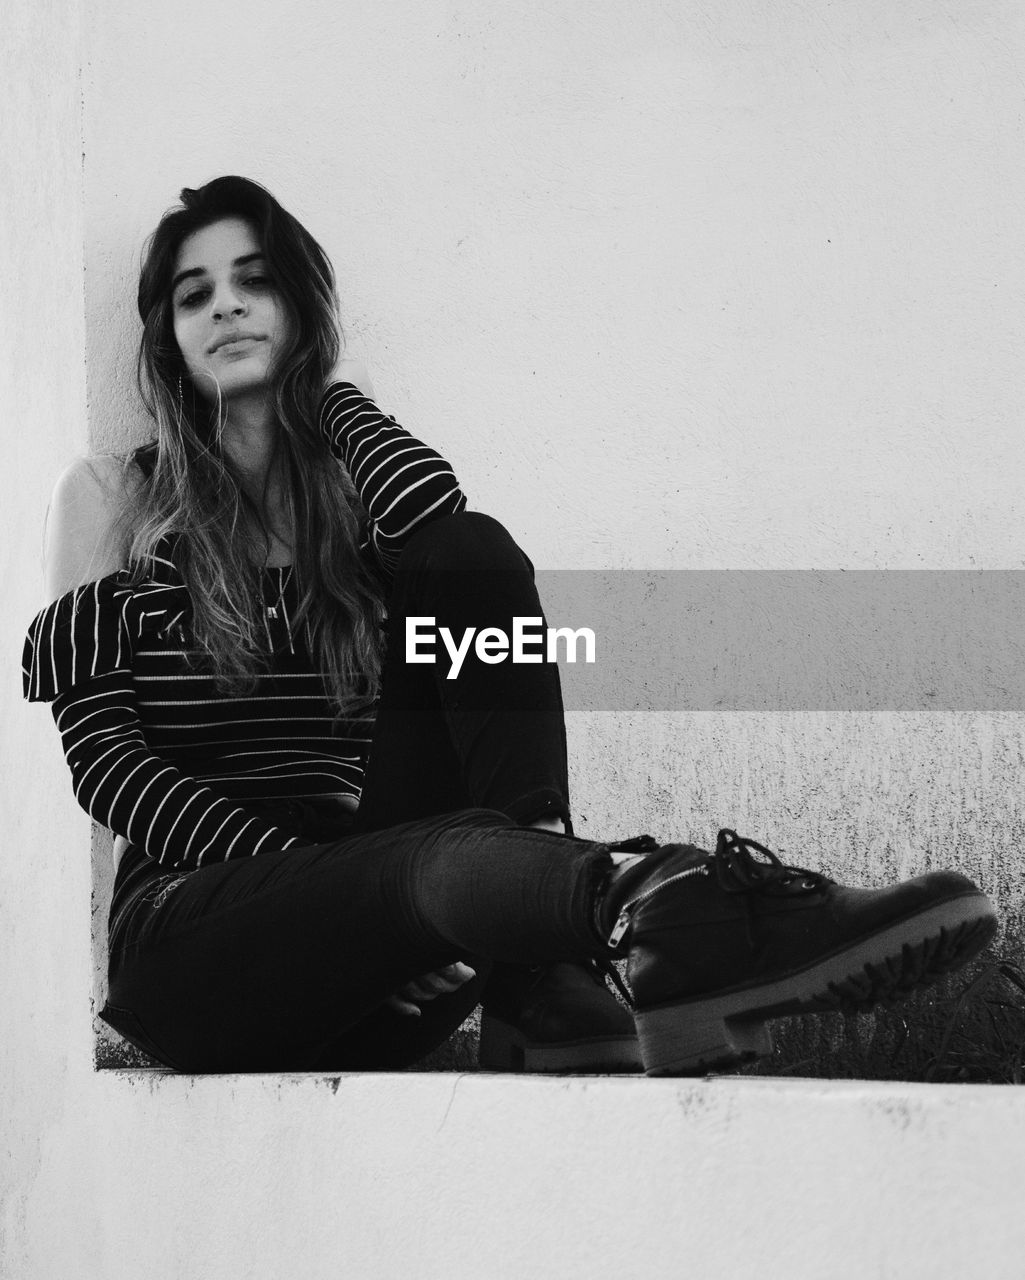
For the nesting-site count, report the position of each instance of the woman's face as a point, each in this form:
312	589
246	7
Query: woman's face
229	319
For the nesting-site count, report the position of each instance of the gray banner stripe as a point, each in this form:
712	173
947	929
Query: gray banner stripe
793	640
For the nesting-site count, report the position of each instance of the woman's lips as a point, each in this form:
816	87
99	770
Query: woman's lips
235	346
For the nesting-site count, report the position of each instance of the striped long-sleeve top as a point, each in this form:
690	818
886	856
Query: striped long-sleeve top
158	753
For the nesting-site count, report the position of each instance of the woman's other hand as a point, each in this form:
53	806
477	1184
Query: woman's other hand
428	987
354	371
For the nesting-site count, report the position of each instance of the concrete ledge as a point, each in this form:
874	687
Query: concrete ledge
498	1176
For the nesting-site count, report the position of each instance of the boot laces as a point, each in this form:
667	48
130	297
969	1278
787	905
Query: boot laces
745	866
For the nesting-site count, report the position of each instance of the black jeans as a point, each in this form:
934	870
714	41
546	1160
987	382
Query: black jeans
284	962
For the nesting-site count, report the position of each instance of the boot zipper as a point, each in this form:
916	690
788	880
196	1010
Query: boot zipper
623	919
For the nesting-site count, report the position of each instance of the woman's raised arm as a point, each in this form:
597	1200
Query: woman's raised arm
401	481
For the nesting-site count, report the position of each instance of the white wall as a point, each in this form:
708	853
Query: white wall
731	285
695	285
45	1033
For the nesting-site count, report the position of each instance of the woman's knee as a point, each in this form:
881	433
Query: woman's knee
469	540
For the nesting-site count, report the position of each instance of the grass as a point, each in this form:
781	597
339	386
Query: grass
970	1029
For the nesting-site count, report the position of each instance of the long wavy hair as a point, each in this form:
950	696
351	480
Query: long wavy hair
219	533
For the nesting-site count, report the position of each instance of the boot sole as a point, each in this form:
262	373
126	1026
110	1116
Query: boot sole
729	1029
504	1048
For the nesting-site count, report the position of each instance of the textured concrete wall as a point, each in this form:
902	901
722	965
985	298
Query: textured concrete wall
475	1178
711	286
677	285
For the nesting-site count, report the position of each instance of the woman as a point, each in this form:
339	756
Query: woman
327	854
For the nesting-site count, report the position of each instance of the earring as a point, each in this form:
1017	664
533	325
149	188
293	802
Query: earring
181	399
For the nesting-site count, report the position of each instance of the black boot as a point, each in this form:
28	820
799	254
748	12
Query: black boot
720	943
559	1017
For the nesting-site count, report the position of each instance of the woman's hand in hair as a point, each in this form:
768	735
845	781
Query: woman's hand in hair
354	371
428	987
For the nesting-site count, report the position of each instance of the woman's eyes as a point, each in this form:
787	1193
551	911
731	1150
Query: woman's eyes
195	297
